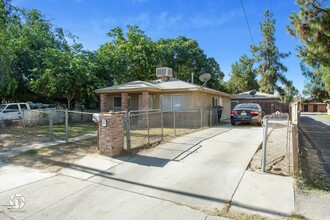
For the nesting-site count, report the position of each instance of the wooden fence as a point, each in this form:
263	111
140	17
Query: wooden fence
267	107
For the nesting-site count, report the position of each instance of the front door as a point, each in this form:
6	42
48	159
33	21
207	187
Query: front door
314	108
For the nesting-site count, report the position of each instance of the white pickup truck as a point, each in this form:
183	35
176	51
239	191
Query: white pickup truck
12	111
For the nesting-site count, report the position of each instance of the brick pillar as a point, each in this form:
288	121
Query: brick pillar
124	101
111	134
145	100
103	102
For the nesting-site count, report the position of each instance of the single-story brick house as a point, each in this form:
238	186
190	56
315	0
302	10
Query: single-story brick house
166	94
314	106
269	103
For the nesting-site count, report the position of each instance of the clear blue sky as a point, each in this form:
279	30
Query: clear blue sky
219	26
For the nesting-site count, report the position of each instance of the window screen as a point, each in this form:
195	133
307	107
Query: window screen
176	102
166	102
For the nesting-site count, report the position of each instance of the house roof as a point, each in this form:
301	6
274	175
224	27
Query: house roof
128	86
315	101
159	85
258	95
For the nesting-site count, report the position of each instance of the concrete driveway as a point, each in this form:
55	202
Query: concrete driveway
176	180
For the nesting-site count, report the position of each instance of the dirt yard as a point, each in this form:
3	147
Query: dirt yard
54	158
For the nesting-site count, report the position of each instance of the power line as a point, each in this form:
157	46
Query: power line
247	22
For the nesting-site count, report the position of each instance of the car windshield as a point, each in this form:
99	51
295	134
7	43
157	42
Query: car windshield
247	106
2	106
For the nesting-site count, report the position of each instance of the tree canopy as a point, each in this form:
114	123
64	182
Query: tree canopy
312	26
268	57
243	76
40	62
134	56
270	67
43	61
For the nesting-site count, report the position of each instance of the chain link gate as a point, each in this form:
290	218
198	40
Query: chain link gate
147	127
276	147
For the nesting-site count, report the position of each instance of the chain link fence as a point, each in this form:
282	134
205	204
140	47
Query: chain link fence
144	128
36	126
276	147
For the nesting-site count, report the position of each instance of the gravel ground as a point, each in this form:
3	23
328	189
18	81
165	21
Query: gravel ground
314	141
312	193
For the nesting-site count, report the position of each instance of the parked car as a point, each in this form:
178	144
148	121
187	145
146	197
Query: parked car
247	112
12	111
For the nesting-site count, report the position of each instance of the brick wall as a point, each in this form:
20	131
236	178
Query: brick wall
145	100
124	101
103	102
111	136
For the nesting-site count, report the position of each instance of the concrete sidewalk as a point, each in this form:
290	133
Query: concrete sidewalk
188	178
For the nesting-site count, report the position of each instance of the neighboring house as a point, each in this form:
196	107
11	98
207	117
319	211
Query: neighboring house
314	106
269	103
166	94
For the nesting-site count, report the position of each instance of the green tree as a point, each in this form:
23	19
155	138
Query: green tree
134	55
69	74
185	56
30	36
268	57
8	83
288	93
243	76
312	26
314	86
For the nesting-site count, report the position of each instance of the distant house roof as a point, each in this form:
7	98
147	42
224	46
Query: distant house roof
314	102
159	85
257	95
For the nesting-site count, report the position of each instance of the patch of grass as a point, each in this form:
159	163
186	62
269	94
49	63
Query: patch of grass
139	138
37	151
225	212
75	129
324	116
295	216
316	186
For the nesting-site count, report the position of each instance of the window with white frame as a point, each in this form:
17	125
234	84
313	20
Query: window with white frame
171	102
117	101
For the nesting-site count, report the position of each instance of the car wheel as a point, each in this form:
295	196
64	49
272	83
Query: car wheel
259	123
232	123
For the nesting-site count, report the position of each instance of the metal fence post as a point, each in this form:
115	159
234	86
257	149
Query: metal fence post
162	123
174	124
288	143
148	127
264	145
201	118
23	122
66	126
51	123
128	127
